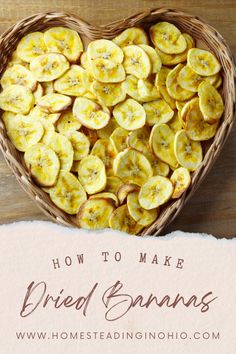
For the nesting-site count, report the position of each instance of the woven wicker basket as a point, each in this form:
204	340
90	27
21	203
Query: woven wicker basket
201	31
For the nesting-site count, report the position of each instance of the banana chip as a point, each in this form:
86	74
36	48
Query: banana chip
136	62
130	114
157	191
210	102
113	184
49	130
181	181
31	46
67	123
38	114
168	38
147	91
162	144
175	123
119	138
105	70
189	80
43	164
65	41
38	93
141	216
109	94
159	168
48	67
187	152
106	132
7	117
153	56
106	151
132	167
16	99
121	220
130	36
72	82
90	114
105	49
84	60
131	87
15	59
18	75
158	112
92	174
48	87
160	82
138	139
203	62
80	144
95	213
124	191
68	194
54	103
173	87
106	195
61	145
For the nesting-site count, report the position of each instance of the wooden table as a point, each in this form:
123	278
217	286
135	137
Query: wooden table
213	207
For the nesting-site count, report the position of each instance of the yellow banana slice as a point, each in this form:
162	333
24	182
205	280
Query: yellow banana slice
119	138
65	41
147	91
210	102
54	103
162	144
24	131
7	117
168	38
48	67
72	82
67	123
68	194
160	82
106	132
43	164
106	151
38	114
48	87
138	139
16	99
109	94
121	220
141	216
130	114
15	59
49	130
173	59
132	167
18	75
173	87
124	191
181	181
31	46
157	191
105	70
203	62
175	123
84	60
153	56
61	145
180	105
106	195
159	168
105	49
113	184
187	152
130	36
95	213
158	112
92	174
80	144
90	114
131	87
137	62
38	93
218	82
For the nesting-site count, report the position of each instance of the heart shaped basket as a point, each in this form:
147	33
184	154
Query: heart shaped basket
200	30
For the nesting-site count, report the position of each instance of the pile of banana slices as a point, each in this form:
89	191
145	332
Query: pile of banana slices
114	132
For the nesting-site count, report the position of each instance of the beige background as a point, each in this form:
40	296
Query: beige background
213	208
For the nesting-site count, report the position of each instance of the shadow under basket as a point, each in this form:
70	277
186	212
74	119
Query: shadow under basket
201	31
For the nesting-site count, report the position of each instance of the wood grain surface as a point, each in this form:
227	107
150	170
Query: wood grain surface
213	208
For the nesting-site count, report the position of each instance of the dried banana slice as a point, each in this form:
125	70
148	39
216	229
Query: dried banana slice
138	139
106	132
218	82
160	82
158	112
132	167
168	38
48	87
147	91
175	123
130	36
105	49
48	67
84	60
72	82
16	99
125	189
106	195
38	93
173	59
180	105
43	164
67	123
106	151
121	220
90	114
113	184
65	41
203	62
38	114
153	56
24	131
159	168
105	70
49	130
61	145
92	174
187	152
141	216
68	194
95	213
18	75
80	144
119	138
109	94
162	144
54	103
131	87
31	46
173	87
210	102
157	191
181	181
15	59
130	114
137	62
7	117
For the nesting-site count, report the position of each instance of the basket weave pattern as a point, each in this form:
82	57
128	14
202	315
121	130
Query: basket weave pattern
187	23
